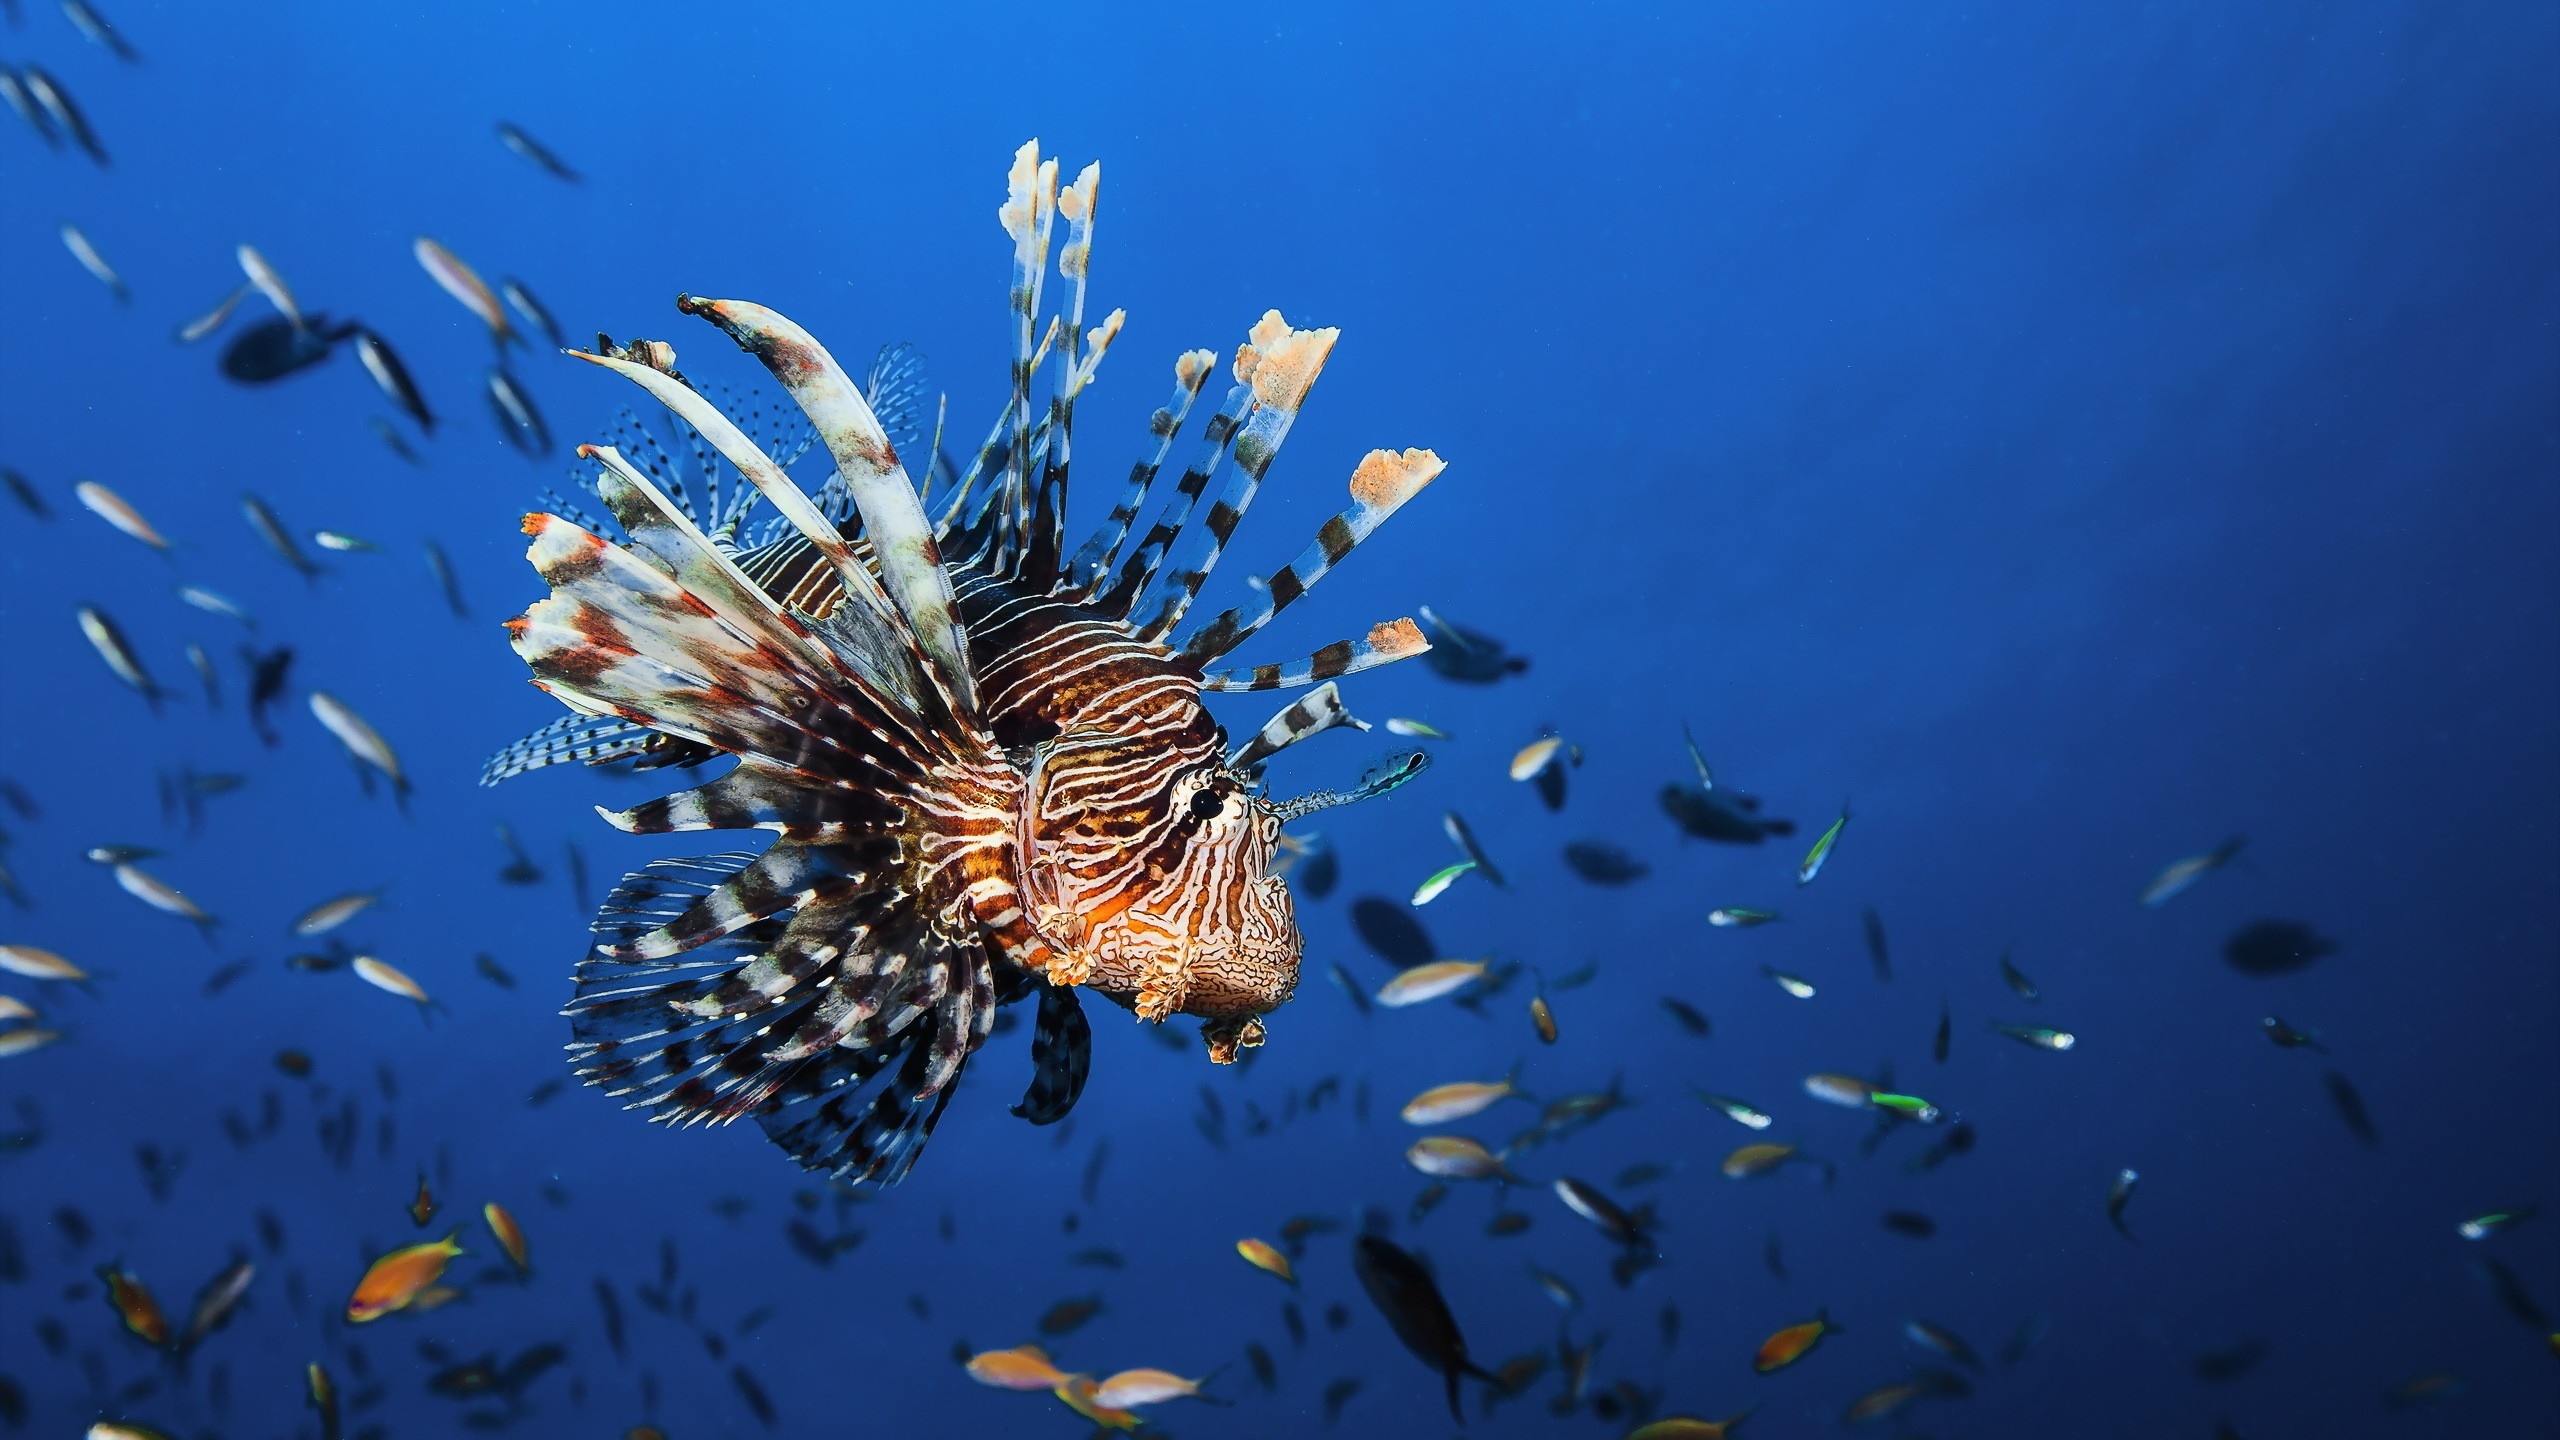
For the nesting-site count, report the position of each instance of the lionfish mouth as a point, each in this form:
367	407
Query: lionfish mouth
872	654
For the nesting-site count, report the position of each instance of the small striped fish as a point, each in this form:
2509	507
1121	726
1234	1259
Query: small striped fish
984	755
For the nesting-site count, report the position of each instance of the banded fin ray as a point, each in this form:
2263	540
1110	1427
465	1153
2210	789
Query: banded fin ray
1380	486
1313	713
588	739
1281	363
1392	641
1061	1054
1092	561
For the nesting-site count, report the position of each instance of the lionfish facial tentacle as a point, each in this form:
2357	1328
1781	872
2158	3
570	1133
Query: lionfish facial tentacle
1387	775
1380	486
1282	365
1092	561
1384	644
1313	713
893	518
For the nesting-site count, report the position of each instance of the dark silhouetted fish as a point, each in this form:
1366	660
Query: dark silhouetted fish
1410	1300
1391	932
530	149
2351	1109
24	492
1720	815
273	349
1458	653
1602	863
2221	1367
2275	947
392	376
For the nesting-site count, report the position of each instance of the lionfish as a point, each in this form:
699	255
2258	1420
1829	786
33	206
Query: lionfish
984	756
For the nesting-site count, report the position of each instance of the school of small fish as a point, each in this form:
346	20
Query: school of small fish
152	1369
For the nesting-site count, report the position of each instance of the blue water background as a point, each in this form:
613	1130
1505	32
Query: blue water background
2073	434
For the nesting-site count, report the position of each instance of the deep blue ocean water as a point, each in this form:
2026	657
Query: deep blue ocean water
2072	434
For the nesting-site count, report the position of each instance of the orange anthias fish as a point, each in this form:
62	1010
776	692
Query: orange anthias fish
1792	1344
981	748
133	1305
1080	1392
395	1281
1024	1367
510	1236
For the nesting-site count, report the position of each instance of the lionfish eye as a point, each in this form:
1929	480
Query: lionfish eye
1205	804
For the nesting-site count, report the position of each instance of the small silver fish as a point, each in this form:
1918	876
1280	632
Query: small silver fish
1456	1157
113	508
211	320
93	262
1795	985
1455	827
162	896
203	665
343	543
279	539
93	25
465	285
269	283
520	298
1447	1104
2177	875
1429	982
519	422
59	107
329	914
25	1041
213	602
362	740
1416	729
112	647
528	148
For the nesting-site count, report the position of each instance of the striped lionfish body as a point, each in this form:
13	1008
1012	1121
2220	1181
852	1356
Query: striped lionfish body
984	758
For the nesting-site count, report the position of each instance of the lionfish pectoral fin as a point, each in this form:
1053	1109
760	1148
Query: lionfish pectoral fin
1313	713
1386	775
1384	644
1061	1054
892	515
590	739
1382	483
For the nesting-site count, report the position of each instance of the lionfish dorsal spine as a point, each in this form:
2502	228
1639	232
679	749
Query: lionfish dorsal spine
1119	596
1380	486
892	515
1030	205
1046	540
1281	363
1313	713
1092	561
1384	644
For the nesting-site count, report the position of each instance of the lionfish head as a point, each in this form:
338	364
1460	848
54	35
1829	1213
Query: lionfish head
1202	927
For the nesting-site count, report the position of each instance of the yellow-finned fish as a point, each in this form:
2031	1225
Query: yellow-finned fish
1024	1367
1815	858
384	976
1261	1255
397	1280
510	1236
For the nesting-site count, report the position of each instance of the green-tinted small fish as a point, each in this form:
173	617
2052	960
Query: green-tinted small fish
1795	985
1399	725
2119	1195
1739	917
2288	1038
108	640
1910	1107
2037	1035
1815	858
2481	1227
1440	880
2016	978
1740	1112
342	542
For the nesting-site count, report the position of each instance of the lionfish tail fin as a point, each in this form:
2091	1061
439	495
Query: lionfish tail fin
1381	485
1392	641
